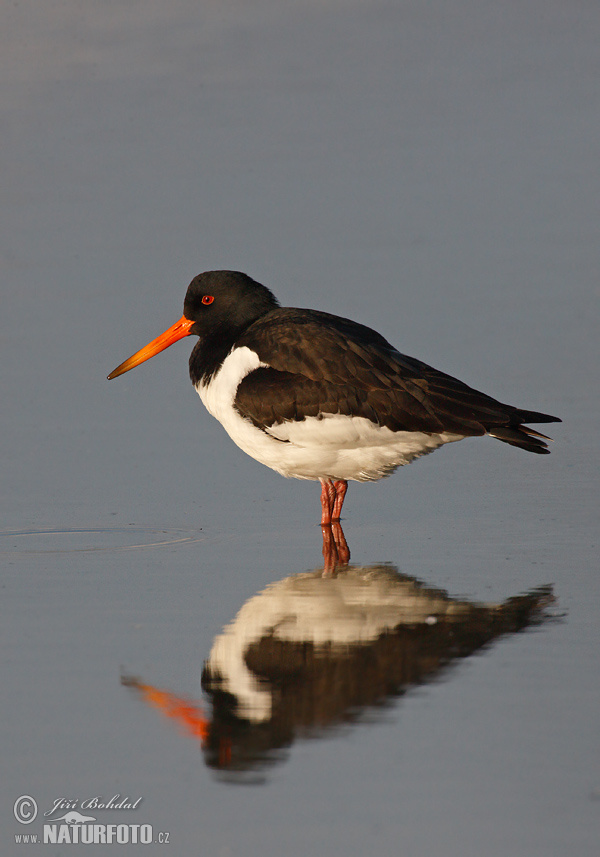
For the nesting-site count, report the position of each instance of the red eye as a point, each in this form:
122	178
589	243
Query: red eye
207	299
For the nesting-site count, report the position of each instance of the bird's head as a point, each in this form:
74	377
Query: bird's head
217	303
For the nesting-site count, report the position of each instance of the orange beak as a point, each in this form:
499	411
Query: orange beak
181	328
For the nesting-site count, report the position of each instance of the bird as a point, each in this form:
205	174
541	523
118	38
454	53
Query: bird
316	396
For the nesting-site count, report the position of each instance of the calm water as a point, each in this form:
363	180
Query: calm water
166	631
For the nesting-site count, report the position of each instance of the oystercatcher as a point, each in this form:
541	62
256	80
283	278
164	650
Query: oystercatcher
315	396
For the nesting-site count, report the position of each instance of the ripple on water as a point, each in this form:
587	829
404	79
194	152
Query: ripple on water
85	540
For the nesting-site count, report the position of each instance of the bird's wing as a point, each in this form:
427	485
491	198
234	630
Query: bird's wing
318	363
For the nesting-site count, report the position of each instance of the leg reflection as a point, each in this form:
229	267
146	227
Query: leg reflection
336	552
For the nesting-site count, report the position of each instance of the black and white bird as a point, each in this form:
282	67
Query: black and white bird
315	396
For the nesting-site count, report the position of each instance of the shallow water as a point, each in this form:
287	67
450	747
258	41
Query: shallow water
432	173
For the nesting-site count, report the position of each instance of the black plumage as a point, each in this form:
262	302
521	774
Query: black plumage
322	364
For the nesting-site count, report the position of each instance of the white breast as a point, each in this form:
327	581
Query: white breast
219	393
332	446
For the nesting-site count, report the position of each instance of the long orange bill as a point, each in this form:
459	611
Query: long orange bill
177	331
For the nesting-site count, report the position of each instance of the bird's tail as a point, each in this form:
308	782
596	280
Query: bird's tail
521	435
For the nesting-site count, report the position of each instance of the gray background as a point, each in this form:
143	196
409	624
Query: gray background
428	168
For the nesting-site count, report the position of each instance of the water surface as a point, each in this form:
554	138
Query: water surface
430	171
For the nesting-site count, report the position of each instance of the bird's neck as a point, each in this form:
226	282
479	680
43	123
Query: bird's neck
212	348
207	356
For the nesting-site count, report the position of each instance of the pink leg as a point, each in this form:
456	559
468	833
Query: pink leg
335	547
327	501
341	486
332	500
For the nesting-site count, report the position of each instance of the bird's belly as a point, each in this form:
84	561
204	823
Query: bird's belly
330	446
337	446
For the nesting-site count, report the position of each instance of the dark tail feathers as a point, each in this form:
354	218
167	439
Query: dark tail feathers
521	435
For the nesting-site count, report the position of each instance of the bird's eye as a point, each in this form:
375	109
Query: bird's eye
207	299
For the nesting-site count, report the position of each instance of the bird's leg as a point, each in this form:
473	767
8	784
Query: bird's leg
328	497
332	500
335	546
341	486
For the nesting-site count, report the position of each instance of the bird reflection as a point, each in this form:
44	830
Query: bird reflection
314	652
